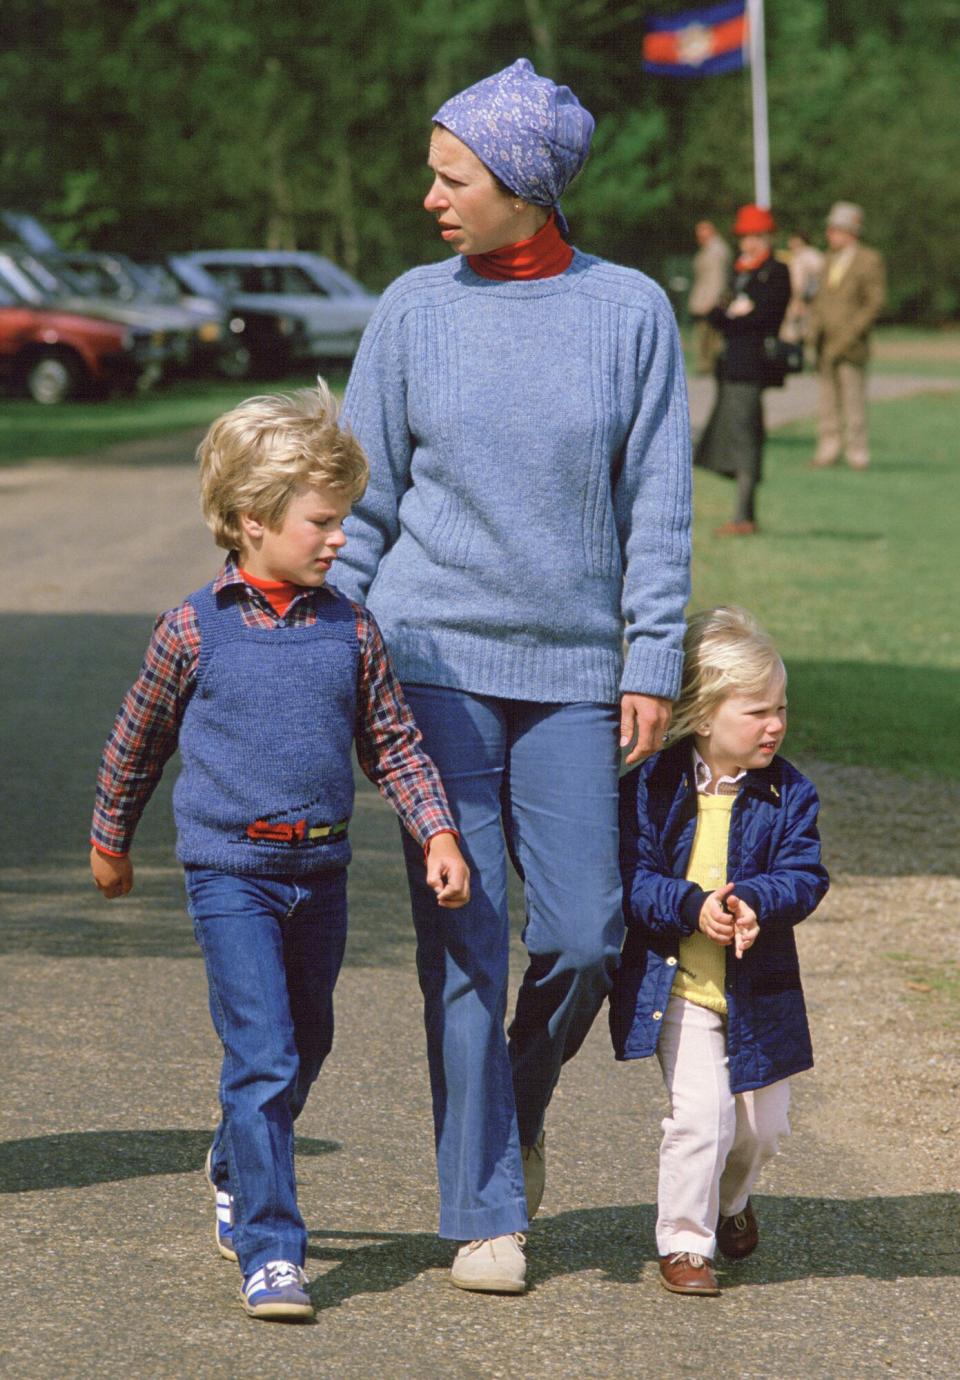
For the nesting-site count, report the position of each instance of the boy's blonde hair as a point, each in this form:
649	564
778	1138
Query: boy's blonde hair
255	457
725	652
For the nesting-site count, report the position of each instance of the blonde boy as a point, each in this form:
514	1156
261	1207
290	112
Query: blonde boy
264	679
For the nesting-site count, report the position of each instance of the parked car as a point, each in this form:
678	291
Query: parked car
32	278
218	340
54	355
299	306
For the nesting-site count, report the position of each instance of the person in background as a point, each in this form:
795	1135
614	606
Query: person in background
524	544
711	280
849	299
805	265
732	441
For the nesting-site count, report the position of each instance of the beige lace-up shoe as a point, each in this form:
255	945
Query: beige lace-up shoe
494	1266
534	1173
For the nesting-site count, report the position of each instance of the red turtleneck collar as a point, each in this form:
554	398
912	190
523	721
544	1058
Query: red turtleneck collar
279	594
544	255
749	264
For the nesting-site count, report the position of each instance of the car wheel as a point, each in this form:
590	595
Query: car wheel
51	378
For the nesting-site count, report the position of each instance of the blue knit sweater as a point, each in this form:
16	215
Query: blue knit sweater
529	506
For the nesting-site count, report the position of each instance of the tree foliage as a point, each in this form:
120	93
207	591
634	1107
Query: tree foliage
151	125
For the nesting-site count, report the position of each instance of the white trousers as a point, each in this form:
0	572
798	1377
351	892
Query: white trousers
715	1142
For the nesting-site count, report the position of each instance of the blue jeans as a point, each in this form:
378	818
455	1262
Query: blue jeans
535	783
272	948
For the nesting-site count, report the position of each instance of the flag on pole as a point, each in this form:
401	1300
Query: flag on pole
697	43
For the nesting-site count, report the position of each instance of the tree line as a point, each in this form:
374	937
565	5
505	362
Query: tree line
156	125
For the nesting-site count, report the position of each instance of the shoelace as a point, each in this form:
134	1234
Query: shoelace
518	1236
697	1261
740	1221
281	1273
277	1274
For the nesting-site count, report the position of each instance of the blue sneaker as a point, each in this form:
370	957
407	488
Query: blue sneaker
223	1227
277	1290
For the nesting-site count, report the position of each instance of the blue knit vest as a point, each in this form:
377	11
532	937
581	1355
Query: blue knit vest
266	785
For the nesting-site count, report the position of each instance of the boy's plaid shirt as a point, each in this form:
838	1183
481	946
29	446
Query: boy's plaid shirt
146	729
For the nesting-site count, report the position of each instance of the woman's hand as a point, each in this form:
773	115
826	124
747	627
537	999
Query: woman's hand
447	872
113	876
645	719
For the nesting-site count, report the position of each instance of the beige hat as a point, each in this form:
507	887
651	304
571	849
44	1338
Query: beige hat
846	215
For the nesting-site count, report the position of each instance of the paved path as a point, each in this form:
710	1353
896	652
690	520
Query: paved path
798	399
109	1092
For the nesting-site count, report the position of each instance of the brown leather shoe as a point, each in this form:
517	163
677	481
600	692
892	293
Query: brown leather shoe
737	1236
736	529
683	1272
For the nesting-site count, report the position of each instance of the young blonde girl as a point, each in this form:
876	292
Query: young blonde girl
720	858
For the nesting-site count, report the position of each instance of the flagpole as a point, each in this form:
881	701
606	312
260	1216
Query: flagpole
758	86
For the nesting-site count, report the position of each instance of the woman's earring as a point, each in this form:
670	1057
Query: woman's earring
518	206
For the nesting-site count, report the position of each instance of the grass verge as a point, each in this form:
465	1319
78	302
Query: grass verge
29	431
853	575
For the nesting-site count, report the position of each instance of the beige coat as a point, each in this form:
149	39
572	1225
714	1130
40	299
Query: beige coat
711	272
842	314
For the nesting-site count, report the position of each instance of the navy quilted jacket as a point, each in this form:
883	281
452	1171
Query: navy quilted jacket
774	857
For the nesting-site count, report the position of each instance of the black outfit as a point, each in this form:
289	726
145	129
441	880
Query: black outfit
732	443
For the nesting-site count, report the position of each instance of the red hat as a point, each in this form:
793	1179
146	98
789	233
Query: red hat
754	220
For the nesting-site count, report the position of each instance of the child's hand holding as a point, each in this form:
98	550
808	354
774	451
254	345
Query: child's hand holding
447	872
113	876
745	923
716	922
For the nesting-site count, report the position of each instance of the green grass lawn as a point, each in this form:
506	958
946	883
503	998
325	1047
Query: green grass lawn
29	430
855	576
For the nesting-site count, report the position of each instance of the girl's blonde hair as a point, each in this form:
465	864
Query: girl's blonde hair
255	457
725	652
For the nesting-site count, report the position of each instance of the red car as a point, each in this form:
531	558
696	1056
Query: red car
53	355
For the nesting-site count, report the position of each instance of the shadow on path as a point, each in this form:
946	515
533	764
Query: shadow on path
804	1238
78	1159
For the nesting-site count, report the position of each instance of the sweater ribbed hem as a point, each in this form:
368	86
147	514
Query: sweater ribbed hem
541	674
267	862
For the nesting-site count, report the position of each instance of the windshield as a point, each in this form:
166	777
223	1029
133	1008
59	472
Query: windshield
90	279
59	284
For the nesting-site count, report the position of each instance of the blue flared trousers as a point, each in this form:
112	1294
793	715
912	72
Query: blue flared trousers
535	784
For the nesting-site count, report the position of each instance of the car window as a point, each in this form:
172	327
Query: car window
295	281
328	278
90	279
41	276
228	277
256	280
21	284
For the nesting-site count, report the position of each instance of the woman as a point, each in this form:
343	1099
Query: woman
805	267
732	443
524	410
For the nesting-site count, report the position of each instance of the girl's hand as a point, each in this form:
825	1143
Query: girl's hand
716	922
113	876
745	923
447	872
